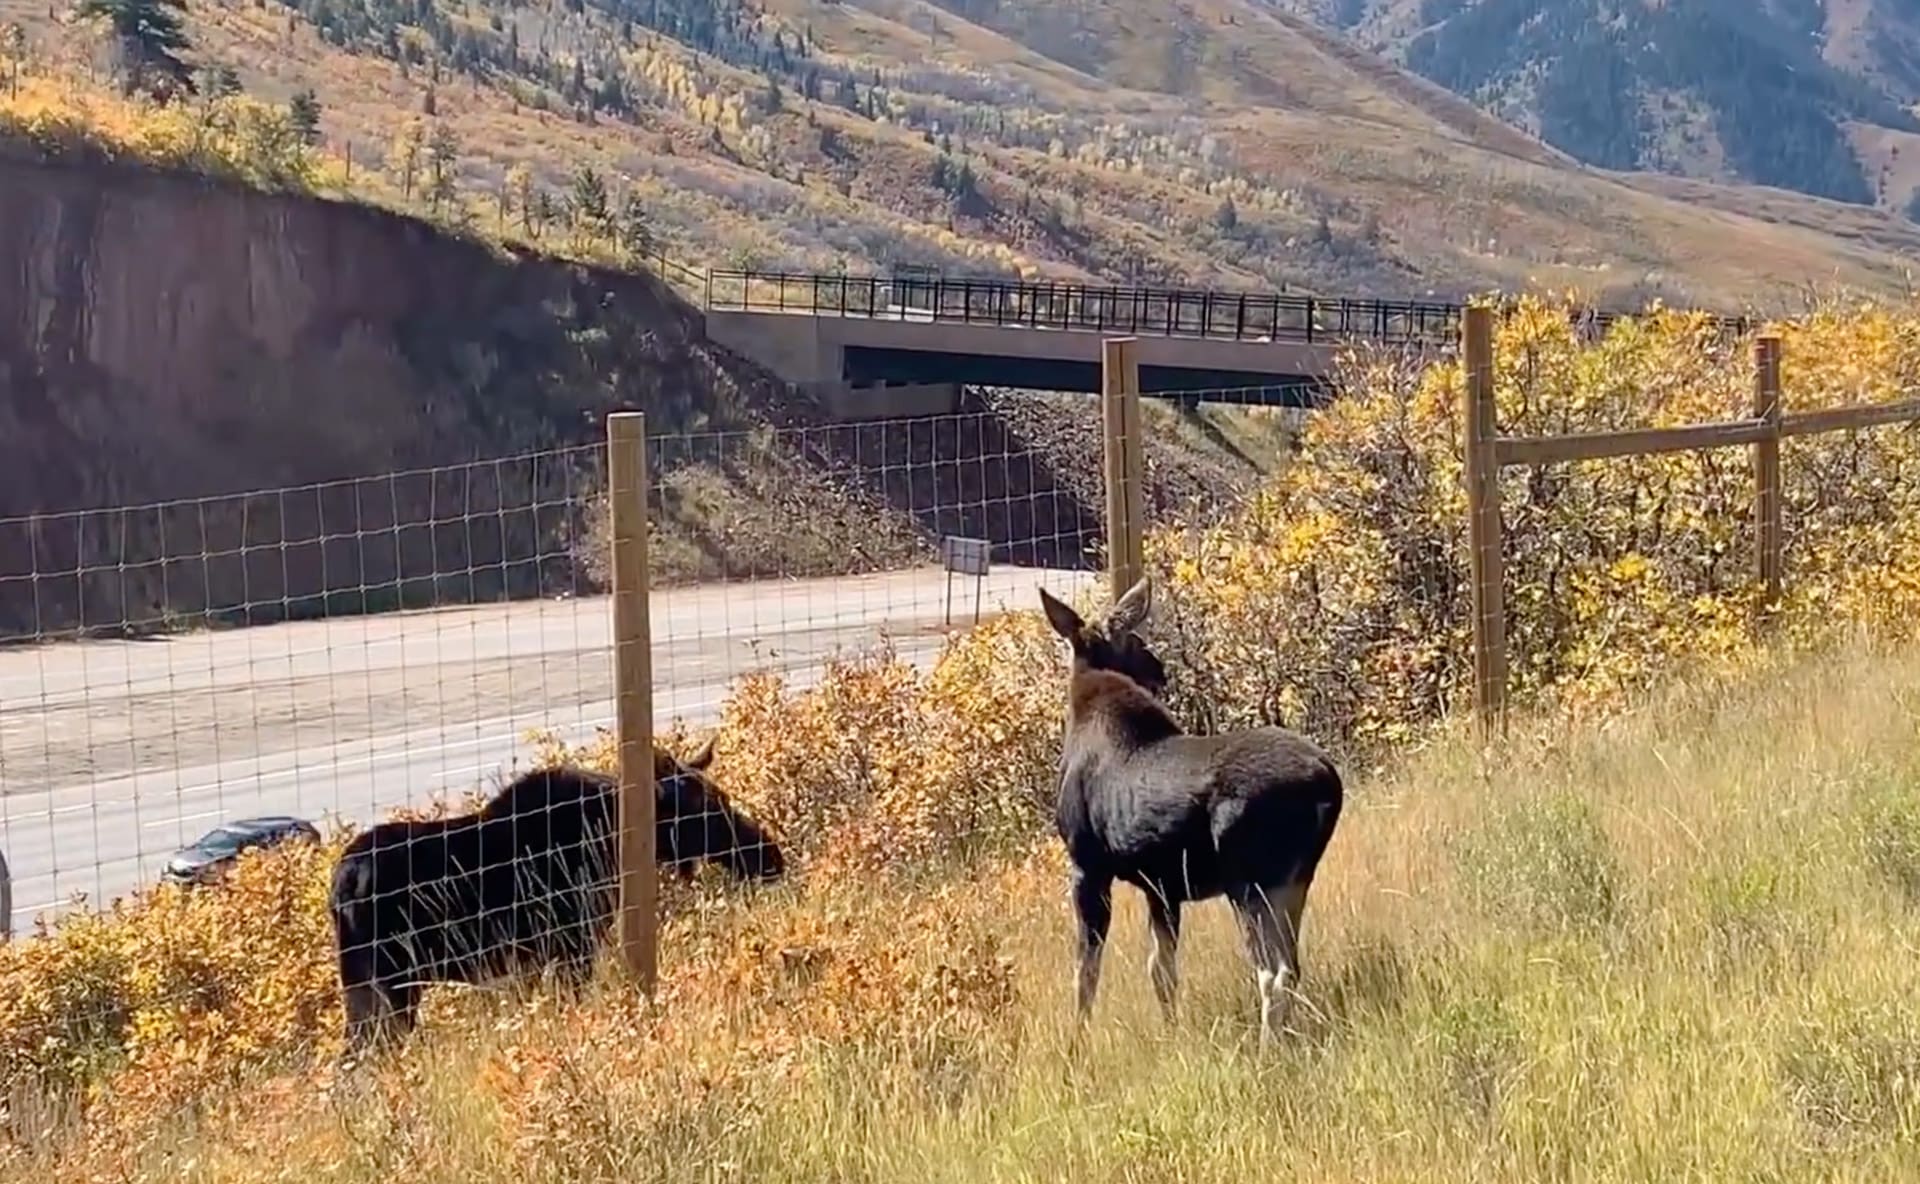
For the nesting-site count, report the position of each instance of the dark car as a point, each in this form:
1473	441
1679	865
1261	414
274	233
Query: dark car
207	857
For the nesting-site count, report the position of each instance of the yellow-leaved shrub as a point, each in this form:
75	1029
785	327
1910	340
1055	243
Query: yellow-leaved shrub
881	764
141	1007
1338	600
233	136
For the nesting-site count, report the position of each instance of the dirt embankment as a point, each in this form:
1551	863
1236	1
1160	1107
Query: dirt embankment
174	345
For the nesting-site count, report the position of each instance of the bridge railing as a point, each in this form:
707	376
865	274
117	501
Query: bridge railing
1234	316
1169	312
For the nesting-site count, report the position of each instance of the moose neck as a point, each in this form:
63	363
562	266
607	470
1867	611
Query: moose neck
1133	717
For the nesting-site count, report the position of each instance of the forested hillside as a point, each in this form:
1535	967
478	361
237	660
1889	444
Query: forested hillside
1809	95
1221	142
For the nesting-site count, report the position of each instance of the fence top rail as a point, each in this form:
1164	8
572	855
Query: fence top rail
1542	450
1859	415
1521	451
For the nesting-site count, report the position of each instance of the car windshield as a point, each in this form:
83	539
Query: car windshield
225	840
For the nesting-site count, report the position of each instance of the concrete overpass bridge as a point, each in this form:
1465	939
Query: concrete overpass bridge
874	347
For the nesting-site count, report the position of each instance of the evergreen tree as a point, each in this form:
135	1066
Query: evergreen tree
588	202
635	235
544	212
220	82
304	113
518	195
150	39
443	162
403	159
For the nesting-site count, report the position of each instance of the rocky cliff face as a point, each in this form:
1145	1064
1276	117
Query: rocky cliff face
150	317
164	340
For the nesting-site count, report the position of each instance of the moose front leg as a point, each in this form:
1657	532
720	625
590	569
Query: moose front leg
1093	903
1163	920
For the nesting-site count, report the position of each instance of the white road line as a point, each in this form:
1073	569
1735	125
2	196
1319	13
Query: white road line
177	820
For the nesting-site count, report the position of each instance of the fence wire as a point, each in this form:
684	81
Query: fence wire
175	667
333	653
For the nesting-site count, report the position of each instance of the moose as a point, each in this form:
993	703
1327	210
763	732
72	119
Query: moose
526	882
1182	817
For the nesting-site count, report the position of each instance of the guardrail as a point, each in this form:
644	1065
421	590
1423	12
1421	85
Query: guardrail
1232	316
1169	312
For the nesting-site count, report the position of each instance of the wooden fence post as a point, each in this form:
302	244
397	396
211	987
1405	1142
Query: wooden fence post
1484	535
1769	541
633	684
1125	461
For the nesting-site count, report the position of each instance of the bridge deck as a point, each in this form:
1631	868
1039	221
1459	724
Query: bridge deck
844	332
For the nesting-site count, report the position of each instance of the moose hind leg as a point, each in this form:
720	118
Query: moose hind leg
1163	921
366	1009
379	1013
1093	904
1270	921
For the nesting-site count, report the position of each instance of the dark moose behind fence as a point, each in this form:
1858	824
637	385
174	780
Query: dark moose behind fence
526	883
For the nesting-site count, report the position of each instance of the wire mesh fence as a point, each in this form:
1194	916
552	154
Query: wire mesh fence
174	667
336	652
339	651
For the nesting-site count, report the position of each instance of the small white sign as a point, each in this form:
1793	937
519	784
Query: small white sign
969	558
966	556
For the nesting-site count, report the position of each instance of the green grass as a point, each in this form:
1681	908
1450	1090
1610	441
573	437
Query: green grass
1677	946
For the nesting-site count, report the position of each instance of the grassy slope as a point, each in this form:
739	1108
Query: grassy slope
1673	947
1347	174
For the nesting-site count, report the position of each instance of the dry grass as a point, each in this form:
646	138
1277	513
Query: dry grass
1675	946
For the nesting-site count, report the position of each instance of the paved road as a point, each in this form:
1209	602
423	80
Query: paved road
115	753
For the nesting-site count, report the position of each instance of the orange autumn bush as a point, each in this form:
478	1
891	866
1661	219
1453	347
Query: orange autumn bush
141	1007
880	764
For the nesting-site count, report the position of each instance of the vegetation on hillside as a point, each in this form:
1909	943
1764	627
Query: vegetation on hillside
1233	147
1715	88
1492	939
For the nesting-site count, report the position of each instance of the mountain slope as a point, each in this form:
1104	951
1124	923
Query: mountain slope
1800	94
1202	141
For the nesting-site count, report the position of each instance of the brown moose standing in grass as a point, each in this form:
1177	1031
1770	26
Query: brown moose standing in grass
1244	814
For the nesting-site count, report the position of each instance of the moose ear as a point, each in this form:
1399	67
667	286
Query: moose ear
665	768
1064	620
703	756
1130	611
